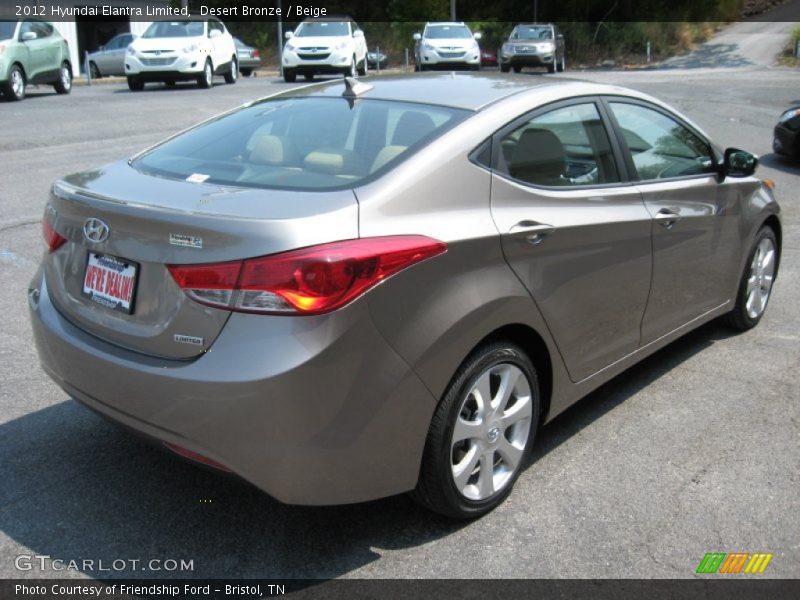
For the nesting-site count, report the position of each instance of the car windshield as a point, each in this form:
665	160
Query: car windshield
447	32
323	29
301	143
532	33
7	29
174	29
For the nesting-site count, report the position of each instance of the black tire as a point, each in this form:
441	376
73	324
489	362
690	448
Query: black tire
739	318
551	68
362	70
94	71
63	85
352	71
505	68
246	72
562	65
309	76
233	73
205	79
416	68
135	84
517	69
169	83
289	76
14	88
436	488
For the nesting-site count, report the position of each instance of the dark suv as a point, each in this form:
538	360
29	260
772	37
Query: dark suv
533	45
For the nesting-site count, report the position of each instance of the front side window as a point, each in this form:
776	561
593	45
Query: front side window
301	143
174	29
323	29
565	147
447	32
660	146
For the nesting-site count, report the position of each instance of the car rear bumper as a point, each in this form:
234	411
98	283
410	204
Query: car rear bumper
312	410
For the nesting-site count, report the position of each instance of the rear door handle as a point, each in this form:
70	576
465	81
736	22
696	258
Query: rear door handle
666	218
533	231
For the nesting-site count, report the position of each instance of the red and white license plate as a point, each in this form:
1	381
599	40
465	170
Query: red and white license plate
110	281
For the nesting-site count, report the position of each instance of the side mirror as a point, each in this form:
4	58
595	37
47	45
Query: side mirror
477	35
417	36
289	35
358	33
214	33
560	36
738	163
28	36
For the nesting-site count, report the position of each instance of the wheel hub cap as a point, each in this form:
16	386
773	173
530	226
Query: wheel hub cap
760	278
491	432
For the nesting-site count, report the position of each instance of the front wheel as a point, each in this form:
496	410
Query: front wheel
551	68
207	77
481	433
289	76
363	69
562	64
755	286
63	84
94	71
14	88
135	84
233	72
353	71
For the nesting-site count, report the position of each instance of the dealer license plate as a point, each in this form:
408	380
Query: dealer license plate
110	281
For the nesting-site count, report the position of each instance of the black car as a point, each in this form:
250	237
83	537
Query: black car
787	133
376	60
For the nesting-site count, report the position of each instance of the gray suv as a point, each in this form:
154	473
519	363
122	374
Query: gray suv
533	45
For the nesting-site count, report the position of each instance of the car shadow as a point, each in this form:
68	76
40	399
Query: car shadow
786	164
76	487
162	87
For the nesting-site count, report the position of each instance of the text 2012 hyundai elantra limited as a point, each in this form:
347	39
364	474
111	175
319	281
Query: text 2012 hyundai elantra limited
347	291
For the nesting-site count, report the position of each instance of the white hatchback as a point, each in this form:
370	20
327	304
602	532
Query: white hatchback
184	50
325	46
447	45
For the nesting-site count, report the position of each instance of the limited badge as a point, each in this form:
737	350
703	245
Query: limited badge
189	241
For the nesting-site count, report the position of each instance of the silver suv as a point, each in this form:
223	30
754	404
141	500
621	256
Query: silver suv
533	45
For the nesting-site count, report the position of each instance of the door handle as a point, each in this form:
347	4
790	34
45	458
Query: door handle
666	218
533	231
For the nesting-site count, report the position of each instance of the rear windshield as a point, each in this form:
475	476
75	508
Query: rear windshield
322	28
447	32
301	143
532	33
174	29
7	29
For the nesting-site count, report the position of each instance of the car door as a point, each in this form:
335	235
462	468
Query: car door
114	55
360	42
219	49
695	217
574	231
37	62
104	59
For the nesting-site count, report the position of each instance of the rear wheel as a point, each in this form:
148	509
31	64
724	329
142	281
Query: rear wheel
363	69
289	76
14	88
755	286
135	84
481	433
63	84
94	71
233	72
207	77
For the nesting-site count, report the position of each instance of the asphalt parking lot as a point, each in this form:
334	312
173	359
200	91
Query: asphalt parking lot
697	449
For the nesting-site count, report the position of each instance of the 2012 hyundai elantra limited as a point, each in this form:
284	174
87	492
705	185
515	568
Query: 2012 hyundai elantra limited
350	290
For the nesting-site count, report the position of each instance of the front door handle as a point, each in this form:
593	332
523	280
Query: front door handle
533	231
666	218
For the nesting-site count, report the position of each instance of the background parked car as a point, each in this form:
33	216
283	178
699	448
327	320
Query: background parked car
787	133
488	58
249	57
377	59
186	50
326	45
533	45
110	59
32	51
448	45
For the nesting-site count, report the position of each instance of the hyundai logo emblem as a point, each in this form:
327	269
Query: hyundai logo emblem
95	230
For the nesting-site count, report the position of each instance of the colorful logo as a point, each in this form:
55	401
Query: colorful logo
736	562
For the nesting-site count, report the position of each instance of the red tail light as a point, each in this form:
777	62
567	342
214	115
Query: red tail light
308	281
53	240
186	453
255	53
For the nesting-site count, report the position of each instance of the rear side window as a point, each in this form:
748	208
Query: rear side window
301	143
660	146
565	147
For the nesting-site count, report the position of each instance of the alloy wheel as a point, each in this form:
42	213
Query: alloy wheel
491	432
66	78
759	281
17	83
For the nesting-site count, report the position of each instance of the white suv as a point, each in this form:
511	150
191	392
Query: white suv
186	50
328	45
447	45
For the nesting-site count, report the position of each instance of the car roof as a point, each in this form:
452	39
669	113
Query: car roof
445	24
458	90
